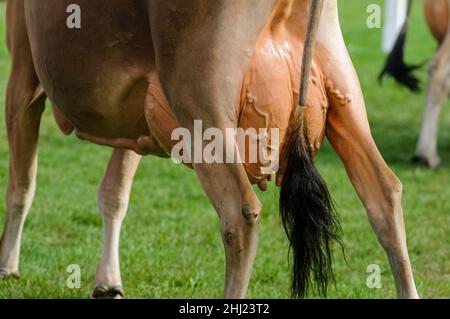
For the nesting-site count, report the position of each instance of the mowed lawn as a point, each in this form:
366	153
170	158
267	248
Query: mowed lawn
171	246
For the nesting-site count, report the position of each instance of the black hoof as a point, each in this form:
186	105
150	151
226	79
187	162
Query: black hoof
425	162
420	160
105	292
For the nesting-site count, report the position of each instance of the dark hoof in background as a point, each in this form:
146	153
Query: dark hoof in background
105	292
6	275
425	162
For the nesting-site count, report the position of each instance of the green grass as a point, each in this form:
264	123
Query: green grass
171	245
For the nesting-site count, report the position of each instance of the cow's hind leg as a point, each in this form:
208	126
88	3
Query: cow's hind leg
239	210
226	185
201	86
438	90
25	103
349	132
113	198
379	189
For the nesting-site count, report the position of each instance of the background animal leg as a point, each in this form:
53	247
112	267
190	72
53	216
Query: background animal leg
438	90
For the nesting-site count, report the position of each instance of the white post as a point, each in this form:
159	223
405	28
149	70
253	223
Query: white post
395	16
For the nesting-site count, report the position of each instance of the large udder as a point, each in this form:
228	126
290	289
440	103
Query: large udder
267	102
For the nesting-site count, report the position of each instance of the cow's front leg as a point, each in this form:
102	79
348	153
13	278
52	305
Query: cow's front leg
438	90
113	198
23	116
25	103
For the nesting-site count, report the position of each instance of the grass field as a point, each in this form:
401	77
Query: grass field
171	246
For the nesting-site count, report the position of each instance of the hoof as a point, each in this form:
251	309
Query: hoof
105	292
425	162
4	274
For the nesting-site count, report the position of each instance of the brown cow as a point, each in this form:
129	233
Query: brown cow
136	70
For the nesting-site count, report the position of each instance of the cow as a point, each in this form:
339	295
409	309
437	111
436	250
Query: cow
437	14
135	71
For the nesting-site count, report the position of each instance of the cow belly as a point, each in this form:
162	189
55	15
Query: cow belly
97	74
268	100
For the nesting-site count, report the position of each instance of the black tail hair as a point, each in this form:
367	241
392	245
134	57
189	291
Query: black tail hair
395	65
308	217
